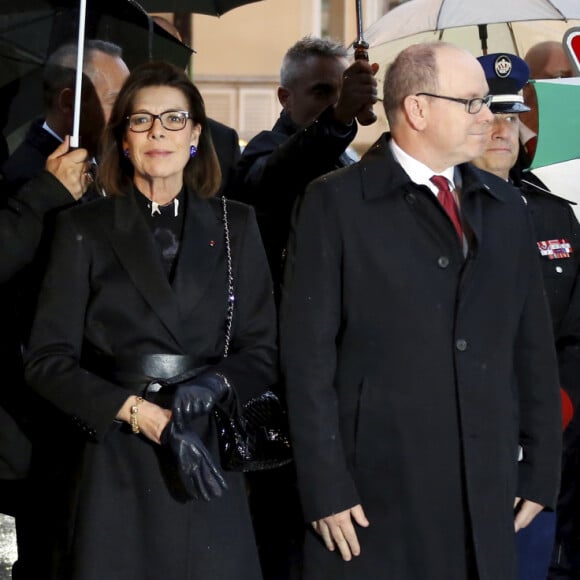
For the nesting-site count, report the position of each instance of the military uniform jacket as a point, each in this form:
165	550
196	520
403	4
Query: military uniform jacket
106	290
414	373
557	235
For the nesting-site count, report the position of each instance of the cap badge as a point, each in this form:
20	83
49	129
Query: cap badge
502	66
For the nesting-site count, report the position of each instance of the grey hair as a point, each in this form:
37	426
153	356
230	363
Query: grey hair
414	70
59	71
300	52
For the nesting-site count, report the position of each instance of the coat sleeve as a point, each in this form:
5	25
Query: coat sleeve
309	330
275	170
53	358
22	221
253	360
540	432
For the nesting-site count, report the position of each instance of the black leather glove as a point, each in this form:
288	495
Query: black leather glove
197	397
198	472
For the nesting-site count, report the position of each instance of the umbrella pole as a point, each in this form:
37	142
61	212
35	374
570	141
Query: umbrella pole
366	117
513	37
75	137
483	37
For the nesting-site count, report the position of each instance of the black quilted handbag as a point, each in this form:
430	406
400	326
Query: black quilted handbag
254	436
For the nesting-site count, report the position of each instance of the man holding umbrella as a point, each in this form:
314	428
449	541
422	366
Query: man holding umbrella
105	72
557	235
321	96
30	199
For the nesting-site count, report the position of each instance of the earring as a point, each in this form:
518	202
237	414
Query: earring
192	151
126	153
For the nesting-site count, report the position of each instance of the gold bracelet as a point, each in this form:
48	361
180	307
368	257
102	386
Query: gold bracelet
134	417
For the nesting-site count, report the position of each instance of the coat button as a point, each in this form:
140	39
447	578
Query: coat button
559	269
443	261
411	199
461	345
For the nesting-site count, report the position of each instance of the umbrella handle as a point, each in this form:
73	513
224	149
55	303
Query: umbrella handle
366	117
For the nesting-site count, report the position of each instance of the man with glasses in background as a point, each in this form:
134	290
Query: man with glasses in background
413	343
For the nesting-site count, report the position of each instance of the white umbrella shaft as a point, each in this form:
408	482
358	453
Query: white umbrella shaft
75	137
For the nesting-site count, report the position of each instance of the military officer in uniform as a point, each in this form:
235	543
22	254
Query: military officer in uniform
558	245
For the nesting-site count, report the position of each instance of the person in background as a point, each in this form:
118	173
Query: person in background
25	220
136	290
30	198
321	95
105	72
557	233
548	60
416	346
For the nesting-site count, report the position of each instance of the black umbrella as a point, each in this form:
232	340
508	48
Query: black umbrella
211	7
31	31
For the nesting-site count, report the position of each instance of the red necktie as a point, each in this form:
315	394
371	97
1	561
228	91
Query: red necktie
448	202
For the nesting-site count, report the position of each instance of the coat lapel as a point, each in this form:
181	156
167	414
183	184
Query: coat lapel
135	247
202	243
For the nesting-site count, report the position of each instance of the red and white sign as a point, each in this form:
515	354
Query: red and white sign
572	46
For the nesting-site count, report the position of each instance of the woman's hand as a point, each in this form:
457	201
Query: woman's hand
151	418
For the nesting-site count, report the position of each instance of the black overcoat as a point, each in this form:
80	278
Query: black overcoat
413	373
24	219
277	165
106	290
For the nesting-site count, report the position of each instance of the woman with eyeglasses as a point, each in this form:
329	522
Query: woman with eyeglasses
138	293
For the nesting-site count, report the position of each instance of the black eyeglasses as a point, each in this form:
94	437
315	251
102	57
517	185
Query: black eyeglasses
472	106
170	120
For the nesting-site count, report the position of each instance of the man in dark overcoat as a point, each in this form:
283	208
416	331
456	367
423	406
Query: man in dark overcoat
416	346
24	224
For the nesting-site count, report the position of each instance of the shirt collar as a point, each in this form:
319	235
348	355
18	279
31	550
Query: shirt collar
51	132
418	172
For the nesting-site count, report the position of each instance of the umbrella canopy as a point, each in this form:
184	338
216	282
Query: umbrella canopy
419	16
512	37
31	31
211	7
558	121
511	26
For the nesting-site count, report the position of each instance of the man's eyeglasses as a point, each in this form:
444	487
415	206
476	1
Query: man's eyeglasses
170	120
472	106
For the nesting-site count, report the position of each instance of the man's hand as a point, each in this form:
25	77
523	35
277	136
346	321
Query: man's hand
338	530
358	92
70	168
526	511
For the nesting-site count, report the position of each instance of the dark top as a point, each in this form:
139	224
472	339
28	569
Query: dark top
166	225
277	165
29	157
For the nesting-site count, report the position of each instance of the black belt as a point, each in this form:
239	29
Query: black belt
141	372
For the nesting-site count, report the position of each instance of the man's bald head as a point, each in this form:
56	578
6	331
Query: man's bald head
547	60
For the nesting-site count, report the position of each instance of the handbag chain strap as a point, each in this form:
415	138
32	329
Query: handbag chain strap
230	275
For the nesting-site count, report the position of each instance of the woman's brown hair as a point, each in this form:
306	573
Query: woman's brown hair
115	172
